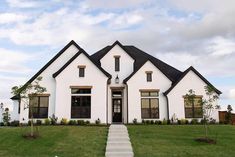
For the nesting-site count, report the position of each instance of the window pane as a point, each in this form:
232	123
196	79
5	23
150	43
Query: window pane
33	102
81	91
81	107
117	93
154	94
145	103
44	101
144	94
145	109
117	63
149	77
198	102
188	113
81	72
187	103
154	108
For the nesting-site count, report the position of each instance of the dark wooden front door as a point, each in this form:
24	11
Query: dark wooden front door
117	110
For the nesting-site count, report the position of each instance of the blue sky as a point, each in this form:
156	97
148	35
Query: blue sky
181	33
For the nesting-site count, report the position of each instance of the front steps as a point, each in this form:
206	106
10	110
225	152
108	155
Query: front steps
118	143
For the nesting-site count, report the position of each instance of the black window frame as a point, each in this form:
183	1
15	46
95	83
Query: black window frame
39	109
150	96
81	111
193	108
81	71
117	63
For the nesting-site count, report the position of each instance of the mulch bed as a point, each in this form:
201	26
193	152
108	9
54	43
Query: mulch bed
206	140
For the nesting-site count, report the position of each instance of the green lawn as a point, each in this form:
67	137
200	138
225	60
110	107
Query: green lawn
61	141
178	141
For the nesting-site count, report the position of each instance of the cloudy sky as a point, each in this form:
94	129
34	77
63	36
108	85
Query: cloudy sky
179	32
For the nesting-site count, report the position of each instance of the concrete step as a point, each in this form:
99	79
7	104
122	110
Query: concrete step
114	148
119	154
122	134
116	144
125	138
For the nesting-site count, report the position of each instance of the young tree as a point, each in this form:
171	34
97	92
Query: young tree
26	94
6	116
228	116
209	105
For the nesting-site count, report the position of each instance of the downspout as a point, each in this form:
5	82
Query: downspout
127	101
167	106
107	101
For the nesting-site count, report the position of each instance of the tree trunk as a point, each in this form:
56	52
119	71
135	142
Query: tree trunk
206	129
31	126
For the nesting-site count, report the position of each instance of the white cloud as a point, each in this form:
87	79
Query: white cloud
6	18
23	3
232	93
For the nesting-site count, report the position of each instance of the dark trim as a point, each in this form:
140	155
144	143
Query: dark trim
127	102
107	90
167	106
46	66
198	74
74	57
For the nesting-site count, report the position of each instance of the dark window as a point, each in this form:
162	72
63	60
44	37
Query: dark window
116	93
117	63
81	72
81	103
193	109
19	106
149	77
38	107
149	105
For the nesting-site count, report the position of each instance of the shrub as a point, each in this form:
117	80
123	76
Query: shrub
168	121
97	122
80	122
72	122
53	119
134	121
143	121
29	122
38	122
87	122
212	121
15	123
6	117
164	122
186	121
47	121
147	121
202	121
194	121
1	124
152	121
179	122
64	121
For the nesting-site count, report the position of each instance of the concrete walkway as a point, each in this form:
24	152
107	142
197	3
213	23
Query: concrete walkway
118	143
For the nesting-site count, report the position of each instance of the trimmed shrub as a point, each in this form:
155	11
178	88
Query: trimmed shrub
1	124
212	121
202	121
186	121
134	121
179	122
80	122
97	122
47	121
147	121
38	122
29	122
53	119
168	121
15	123
194	121
158	122
73	122
64	121
87	122
143	121
164	122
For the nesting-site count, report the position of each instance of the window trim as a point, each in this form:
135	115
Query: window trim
149	76
38	106
193	108
117	63
80	95
149	98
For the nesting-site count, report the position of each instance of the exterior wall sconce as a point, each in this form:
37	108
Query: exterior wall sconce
117	80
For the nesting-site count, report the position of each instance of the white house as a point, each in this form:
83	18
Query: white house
117	84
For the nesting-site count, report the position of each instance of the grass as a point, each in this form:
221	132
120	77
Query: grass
61	141
178	141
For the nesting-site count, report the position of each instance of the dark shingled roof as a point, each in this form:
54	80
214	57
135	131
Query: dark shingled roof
140	58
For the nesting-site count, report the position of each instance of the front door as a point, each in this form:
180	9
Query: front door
117	110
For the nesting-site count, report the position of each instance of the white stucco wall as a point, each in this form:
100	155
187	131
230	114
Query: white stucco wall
175	97
49	82
70	77
137	82
126	64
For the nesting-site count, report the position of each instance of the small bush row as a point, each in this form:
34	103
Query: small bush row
179	122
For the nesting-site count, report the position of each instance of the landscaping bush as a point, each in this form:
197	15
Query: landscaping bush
164	122
158	122
143	121
1	124
168	121
202	121
147	121
212	121
38	122
179	122
53	119
73	122
152	121
97	122
29	122
87	122
186	121
134	121
183	121
15	123
194	121
64	121
47	121
81	122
